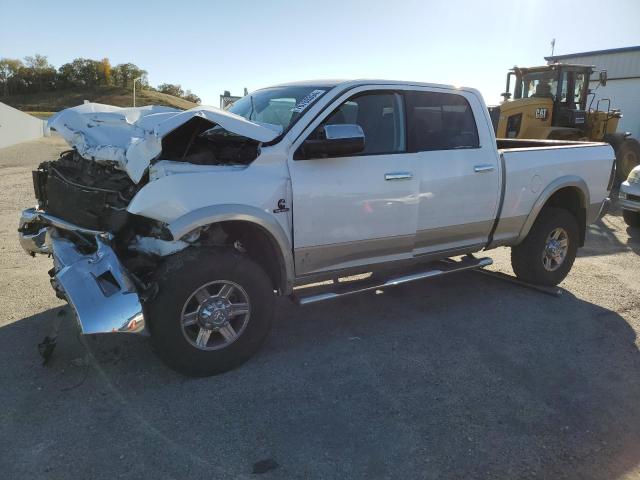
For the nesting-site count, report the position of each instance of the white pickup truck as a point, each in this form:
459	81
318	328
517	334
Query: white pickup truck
186	225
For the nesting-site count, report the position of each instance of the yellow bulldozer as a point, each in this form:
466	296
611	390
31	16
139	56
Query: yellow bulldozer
555	102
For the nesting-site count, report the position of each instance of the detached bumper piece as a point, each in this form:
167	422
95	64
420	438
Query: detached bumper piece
96	285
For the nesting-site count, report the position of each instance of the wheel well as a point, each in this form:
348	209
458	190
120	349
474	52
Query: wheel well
259	245
571	199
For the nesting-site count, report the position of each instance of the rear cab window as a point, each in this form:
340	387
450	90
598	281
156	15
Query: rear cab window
440	121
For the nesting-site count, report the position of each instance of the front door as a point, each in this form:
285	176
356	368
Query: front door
361	209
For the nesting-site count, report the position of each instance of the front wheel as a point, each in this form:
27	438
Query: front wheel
212	312
546	255
627	157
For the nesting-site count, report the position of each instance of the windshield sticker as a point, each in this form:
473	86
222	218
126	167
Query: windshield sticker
306	101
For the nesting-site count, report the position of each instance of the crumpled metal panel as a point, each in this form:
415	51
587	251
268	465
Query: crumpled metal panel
132	137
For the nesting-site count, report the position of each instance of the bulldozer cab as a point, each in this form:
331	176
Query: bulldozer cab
546	102
566	85
554	102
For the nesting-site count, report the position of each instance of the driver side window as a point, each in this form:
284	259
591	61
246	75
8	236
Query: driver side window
381	117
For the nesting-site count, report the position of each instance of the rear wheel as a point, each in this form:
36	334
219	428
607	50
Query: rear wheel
631	218
546	255
627	157
213	310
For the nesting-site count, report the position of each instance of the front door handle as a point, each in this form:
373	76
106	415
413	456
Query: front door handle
486	167
398	176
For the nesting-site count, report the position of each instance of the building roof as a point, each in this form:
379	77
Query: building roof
593	53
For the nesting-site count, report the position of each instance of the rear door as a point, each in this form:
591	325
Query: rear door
457	167
359	209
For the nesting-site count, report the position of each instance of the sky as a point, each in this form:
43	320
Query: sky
212	46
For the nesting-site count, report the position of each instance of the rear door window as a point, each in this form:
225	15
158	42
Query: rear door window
440	121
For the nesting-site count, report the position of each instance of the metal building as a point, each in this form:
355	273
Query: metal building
623	81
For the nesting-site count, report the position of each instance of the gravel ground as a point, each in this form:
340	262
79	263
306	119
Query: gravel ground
461	377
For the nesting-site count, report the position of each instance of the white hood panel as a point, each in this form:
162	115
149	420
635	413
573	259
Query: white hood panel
132	137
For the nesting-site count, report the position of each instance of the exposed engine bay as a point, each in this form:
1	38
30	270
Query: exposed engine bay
95	194
200	143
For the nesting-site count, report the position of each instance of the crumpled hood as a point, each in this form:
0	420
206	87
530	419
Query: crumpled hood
132	137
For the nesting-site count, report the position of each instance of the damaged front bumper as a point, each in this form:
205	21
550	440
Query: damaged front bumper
96	285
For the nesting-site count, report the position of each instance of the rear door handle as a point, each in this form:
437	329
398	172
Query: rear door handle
398	176
486	167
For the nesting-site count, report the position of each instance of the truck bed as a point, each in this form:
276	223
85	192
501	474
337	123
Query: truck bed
530	168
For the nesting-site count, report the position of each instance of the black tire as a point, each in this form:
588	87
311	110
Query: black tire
631	218
527	258
627	157
185	273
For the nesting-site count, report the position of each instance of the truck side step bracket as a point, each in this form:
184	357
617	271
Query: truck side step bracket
434	269
553	291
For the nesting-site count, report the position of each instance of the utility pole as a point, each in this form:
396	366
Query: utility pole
134	89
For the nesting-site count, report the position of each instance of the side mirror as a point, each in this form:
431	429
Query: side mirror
506	96
334	141
603	77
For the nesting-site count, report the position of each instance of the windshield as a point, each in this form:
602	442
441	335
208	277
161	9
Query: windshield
278	105
540	84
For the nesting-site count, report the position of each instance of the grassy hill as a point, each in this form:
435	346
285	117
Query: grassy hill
42	103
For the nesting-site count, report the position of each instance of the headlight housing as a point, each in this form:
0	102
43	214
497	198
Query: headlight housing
634	176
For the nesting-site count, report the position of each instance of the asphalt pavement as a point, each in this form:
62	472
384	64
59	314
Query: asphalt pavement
465	376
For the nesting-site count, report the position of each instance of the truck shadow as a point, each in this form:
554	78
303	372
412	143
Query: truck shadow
461	377
605	238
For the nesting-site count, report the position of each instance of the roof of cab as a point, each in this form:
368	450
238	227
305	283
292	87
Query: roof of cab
367	81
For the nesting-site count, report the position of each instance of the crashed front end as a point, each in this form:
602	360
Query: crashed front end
86	272
104	256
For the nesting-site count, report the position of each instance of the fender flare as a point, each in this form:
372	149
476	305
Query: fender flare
553	187
236	212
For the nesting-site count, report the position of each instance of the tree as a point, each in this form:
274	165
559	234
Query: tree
9	74
42	71
192	97
104	71
67	76
37	74
37	62
171	89
124	74
176	91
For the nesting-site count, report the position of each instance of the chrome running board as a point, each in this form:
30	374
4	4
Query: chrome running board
434	269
